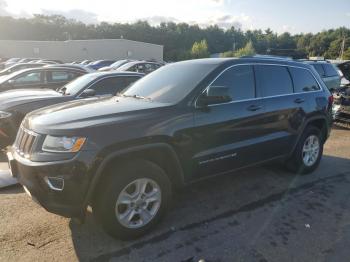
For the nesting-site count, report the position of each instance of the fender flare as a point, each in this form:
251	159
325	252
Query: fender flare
306	123
179	179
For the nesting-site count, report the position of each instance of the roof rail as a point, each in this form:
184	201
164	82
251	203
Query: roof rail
274	57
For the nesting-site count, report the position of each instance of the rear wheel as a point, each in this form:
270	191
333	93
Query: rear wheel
308	152
133	199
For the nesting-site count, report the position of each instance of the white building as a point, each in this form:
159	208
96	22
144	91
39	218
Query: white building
78	50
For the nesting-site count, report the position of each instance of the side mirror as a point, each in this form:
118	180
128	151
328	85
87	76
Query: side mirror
88	93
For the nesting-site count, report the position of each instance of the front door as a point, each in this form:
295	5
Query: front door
229	135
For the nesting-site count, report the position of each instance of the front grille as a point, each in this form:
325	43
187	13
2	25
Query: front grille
24	142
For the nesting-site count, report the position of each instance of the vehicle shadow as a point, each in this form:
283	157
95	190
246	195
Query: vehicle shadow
202	203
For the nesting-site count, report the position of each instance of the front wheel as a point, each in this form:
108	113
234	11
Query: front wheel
308	152
132	199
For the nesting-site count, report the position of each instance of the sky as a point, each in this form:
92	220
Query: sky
294	16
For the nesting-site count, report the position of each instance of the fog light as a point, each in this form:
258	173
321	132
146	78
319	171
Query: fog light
55	183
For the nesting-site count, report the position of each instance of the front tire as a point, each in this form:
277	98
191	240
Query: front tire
308	152
132	199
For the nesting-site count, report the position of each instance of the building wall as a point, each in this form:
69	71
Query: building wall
77	50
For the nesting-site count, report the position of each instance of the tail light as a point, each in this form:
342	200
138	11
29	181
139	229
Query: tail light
330	100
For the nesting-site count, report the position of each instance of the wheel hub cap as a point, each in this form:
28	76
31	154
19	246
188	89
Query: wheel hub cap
138	203
311	150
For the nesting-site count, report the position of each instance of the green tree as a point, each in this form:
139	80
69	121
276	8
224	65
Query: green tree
347	54
200	49
248	50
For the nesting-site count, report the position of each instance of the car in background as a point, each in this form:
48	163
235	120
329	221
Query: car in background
15	104
144	67
100	63
341	107
115	65
328	73
27	60
85	62
9	62
52	78
20	66
78	67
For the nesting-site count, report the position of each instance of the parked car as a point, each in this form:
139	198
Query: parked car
124	155
15	104
341	107
19	66
344	72
140	66
100	63
328	73
52	78
9	62
115	65
85	62
78	67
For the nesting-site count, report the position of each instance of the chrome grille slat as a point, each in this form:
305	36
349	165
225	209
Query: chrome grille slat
24	142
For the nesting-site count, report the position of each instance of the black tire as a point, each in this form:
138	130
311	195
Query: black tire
109	190
296	163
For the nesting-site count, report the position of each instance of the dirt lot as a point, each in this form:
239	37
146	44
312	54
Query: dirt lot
259	214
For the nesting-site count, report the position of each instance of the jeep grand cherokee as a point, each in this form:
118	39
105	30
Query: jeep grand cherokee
124	155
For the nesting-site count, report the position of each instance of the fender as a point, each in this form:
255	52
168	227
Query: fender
305	124
179	178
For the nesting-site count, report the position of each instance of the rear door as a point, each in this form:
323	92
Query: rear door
285	108
229	135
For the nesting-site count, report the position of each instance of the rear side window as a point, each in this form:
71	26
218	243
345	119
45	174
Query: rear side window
330	70
320	70
60	76
109	86
303	80
236	82
273	80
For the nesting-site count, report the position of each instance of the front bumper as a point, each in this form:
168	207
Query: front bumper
67	201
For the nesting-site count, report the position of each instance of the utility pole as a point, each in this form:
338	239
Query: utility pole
342	49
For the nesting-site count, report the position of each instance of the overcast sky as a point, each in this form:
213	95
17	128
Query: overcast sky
280	15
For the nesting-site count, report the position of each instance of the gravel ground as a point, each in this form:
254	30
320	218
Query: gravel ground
259	214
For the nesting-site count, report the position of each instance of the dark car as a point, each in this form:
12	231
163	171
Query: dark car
52	78
15	104
328	73
20	66
100	63
140	66
189	120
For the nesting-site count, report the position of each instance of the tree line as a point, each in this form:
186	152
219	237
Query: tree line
180	40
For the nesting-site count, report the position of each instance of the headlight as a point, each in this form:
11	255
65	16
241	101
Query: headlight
4	114
63	144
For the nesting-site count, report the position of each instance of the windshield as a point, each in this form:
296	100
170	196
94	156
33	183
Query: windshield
126	66
119	63
170	83
74	87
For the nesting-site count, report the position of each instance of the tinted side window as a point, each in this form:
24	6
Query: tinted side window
60	76
109	86
273	80
236	82
29	78
130	80
320	70
330	70
303	80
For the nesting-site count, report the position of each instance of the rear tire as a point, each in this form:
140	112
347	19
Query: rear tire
308	152
124	204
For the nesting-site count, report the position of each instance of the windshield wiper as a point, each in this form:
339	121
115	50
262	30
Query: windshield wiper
135	96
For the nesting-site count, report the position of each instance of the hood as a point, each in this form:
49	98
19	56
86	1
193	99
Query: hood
345	69
80	114
16	97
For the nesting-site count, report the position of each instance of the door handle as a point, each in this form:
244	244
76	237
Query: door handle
299	100
254	107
